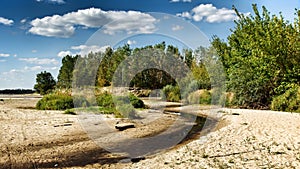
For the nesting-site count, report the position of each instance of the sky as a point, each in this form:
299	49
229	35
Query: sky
36	34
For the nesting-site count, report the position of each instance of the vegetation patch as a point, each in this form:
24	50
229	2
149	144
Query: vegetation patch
171	93
289	101
55	102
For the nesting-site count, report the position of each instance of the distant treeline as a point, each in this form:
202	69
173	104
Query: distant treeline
17	91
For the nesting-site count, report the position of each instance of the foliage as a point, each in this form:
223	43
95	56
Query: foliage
121	106
200	97
261	57
171	93
136	102
109	63
85	70
81	101
70	111
126	111
55	102
45	83
65	75
105	100
289	101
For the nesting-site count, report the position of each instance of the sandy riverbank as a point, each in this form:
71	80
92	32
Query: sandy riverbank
50	139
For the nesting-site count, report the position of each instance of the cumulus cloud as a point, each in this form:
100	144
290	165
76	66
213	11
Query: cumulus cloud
85	49
40	61
185	15
64	53
65	25
82	50
6	21
209	13
177	27
4	55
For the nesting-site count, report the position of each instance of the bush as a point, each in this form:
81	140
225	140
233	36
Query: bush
80	101
55	102
289	101
136	102
108	104
200	97
205	97
126	111
105	100
171	93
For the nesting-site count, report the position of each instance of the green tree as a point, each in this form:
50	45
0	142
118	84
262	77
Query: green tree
45	83
261	57
65	75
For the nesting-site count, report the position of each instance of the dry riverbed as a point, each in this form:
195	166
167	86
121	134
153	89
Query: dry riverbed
243	139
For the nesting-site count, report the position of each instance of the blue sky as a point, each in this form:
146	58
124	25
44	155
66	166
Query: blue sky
36	34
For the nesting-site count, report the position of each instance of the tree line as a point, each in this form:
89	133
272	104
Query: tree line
260	59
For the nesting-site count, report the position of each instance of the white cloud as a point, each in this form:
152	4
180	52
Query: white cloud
23	21
2	60
34	51
40	61
6	21
34	68
131	42
177	27
64	53
84	49
181	0
185	15
4	55
53	1
65	25
210	13
37	68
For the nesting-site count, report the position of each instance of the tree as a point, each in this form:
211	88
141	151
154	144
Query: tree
65	75
45	83
261	57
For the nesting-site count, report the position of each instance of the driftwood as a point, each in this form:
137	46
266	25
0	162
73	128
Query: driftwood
123	126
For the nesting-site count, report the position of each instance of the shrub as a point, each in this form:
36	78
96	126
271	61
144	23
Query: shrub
108	104
105	100
200	97
171	93
289	101
80	101
205	97
136	102
55	102
126	111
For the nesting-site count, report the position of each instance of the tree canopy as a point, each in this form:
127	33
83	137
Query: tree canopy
45	83
261	57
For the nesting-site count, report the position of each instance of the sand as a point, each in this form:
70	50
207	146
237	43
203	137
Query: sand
243	139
